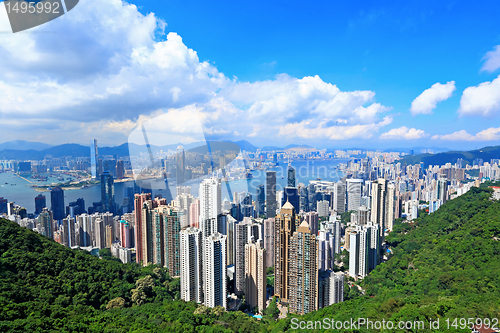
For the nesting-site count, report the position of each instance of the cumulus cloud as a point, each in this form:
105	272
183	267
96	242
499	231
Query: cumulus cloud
104	72
427	101
490	134
482	100
492	60
405	133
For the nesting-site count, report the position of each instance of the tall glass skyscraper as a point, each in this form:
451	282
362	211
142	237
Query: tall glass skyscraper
291	176
40	203
181	165
107	192
93	158
57	203
271	193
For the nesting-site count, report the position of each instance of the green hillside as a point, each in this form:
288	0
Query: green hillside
446	265
486	154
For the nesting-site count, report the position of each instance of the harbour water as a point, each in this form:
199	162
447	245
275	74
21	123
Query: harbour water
20	192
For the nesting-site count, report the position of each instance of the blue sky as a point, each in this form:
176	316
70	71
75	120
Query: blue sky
393	51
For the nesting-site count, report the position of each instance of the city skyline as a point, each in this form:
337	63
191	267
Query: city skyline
390	95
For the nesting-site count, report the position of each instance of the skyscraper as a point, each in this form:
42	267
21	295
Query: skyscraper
353	194
330	289
255	275
284	227
210	200
339	198
261	200
244	231
46	224
57	203
139	201
271	194
107	192
303	271
269	241
291	175
291	194
172	244
40	203
364	248
215	284
93	158
191	269
180	165
379	204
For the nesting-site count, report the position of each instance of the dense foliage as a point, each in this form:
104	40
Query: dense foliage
444	265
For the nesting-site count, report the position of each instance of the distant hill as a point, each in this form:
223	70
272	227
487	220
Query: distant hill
23	145
486	154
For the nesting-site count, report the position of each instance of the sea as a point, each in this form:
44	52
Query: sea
18	190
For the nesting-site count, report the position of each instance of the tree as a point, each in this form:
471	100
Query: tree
116	303
272	310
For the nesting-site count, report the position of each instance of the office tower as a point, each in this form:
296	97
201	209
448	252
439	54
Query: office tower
303	271
391	192
93	158
180	165
291	194
128	198
330	288
269	241
311	190
246	206
40	203
3	205
214	281
99	234
210	199
244	232
46	224
275	159
336	229
194	213
379	204
120	169
304	199
284	227
139	201
107	192
57	203
255	275
76	207
191	268
261	200
312	218
291	176
271	194
172	245
353	194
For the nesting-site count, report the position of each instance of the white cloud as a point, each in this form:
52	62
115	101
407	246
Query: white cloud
427	101
103	72
490	134
492	58
482	100
404	133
